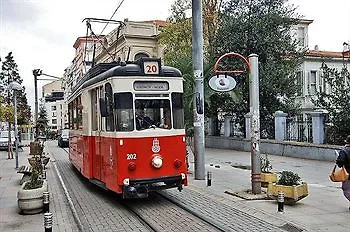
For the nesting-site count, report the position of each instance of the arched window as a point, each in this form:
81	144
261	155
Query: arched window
140	55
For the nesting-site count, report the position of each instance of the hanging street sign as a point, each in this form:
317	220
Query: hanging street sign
222	83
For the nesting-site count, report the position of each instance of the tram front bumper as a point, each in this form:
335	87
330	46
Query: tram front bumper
139	188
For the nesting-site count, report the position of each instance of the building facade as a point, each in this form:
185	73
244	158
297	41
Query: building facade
55	105
131	41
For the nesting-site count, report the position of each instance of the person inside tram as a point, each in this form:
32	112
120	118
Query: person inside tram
142	120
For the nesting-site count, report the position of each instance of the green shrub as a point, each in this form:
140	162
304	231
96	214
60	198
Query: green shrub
289	178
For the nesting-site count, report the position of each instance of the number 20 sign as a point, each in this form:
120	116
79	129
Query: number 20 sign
151	67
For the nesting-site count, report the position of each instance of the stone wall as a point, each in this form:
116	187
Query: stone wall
322	152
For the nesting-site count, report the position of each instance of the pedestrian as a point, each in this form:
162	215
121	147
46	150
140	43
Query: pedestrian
343	160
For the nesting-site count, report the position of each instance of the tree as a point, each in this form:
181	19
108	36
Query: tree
336	100
261	27
9	73
177	37
42	122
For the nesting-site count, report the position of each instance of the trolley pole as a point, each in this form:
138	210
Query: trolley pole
254	123
198	109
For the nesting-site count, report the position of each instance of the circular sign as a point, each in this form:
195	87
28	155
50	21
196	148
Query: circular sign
222	83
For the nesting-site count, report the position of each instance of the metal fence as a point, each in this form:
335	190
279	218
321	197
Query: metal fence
299	129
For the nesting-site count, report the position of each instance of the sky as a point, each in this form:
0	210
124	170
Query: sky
41	33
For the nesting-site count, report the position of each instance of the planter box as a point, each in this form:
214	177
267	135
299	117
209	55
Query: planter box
30	201
292	194
34	148
267	178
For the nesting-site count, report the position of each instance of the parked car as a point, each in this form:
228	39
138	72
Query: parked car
4	139
63	138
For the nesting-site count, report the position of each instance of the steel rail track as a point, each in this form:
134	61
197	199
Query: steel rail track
139	209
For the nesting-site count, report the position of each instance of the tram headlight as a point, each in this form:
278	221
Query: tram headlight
157	161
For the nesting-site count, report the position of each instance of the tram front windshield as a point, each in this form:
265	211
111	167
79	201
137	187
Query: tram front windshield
152	113
140	114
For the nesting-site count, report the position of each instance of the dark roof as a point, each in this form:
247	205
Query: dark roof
103	71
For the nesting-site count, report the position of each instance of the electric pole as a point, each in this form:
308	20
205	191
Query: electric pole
198	109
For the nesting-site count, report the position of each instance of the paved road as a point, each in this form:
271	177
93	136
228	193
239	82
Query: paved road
325	209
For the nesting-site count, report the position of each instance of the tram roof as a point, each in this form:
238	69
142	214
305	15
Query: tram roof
103	71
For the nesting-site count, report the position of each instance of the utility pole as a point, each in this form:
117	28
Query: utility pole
198	109
16	129
36	73
254	123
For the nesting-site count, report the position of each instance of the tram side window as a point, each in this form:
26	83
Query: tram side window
79	113
75	118
124	111
94	117
178	112
109	103
70	115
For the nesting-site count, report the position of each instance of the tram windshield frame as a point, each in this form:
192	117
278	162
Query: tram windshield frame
159	112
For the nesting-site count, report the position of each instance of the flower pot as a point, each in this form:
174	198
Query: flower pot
292	194
267	178
30	201
44	160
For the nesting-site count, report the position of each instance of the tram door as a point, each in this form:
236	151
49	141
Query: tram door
96	133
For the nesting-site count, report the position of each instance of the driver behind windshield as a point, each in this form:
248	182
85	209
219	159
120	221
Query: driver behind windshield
142	120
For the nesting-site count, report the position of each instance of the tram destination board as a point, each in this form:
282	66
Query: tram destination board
151	86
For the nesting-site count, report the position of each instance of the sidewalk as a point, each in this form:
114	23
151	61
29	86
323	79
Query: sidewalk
10	217
325	209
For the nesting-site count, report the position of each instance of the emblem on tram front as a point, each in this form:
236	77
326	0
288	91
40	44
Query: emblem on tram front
155	146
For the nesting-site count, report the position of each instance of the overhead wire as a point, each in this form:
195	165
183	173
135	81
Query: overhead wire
97	38
119	27
115	11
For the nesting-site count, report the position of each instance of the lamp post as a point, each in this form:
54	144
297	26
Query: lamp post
36	74
15	86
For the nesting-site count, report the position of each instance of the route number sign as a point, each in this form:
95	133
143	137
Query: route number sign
151	67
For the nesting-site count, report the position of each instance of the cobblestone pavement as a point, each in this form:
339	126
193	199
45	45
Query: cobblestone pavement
221	212
95	211
325	209
105	214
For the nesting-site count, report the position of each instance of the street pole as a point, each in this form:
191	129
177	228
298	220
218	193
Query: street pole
16	130
35	73
254	123
198	109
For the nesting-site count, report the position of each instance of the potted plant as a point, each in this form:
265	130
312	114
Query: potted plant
37	150
30	194
291	185
266	175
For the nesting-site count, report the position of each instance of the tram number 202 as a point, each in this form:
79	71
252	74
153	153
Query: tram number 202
131	156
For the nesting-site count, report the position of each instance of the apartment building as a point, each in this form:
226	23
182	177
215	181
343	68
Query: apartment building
310	75
55	105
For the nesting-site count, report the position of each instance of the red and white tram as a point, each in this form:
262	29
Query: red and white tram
106	144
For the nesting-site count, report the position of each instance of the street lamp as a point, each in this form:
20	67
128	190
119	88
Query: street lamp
36	74
15	86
